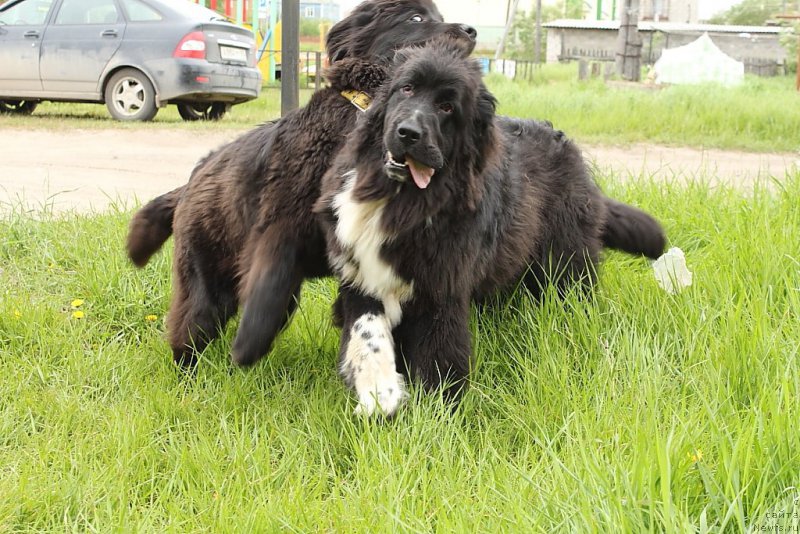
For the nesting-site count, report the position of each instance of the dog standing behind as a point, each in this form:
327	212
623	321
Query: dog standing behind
434	202
243	226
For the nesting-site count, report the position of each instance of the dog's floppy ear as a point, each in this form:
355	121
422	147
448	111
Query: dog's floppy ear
483	142
344	35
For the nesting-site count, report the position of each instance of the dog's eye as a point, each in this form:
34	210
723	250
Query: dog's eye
407	89
417	18
446	107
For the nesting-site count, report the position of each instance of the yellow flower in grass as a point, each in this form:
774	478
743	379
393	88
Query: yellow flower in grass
17	314
78	314
695	456
77	303
151	318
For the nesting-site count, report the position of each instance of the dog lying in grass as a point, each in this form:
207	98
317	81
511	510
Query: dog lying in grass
434	202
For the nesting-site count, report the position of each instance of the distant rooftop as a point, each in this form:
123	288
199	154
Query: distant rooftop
666	27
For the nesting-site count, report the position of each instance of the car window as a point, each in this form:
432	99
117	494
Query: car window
87	12
140	12
192	10
30	13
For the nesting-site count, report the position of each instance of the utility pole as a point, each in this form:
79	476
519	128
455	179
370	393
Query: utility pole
290	55
797	68
629	43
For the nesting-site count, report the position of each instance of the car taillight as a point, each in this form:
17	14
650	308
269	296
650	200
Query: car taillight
193	45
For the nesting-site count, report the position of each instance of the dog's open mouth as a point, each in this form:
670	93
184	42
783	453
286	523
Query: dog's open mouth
400	170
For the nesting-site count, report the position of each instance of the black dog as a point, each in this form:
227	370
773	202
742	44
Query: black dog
434	202
243	225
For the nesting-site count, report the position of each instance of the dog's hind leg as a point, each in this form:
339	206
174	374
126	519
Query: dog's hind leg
272	290
199	311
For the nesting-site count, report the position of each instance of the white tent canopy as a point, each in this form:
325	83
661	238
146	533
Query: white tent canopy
698	62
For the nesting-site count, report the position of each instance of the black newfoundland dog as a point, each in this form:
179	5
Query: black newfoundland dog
434	202
243	225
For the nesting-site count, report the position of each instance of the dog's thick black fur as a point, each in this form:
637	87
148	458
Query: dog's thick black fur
434	202
243	225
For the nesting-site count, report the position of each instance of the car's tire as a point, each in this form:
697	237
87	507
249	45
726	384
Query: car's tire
213	111
19	107
130	96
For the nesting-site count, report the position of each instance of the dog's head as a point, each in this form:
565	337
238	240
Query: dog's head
428	136
375	29
436	113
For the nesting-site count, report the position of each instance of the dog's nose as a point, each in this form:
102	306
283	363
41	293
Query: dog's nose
469	30
409	133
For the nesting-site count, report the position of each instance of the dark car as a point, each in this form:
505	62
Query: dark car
135	56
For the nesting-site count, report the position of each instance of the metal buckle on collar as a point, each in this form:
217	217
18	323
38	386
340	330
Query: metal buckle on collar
359	99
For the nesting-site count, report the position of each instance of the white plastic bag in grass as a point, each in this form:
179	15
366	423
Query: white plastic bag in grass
671	271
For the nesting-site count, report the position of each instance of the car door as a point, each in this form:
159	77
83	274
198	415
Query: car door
22	26
80	40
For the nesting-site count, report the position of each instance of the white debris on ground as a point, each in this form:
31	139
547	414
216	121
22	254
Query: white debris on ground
671	271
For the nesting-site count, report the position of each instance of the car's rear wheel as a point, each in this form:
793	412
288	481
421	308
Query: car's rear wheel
21	107
213	111
130	96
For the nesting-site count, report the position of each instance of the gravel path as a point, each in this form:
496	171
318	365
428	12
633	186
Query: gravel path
88	170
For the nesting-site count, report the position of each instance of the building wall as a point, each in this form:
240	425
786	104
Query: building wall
564	44
319	10
747	47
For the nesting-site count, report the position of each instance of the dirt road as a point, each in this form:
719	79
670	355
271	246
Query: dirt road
89	169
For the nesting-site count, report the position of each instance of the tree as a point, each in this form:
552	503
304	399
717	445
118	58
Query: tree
749	13
520	43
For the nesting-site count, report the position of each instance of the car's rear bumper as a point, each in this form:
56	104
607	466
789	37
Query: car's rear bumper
191	80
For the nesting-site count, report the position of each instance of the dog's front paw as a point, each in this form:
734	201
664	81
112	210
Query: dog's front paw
369	367
385	399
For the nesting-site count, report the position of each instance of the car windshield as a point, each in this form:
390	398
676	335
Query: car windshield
192	10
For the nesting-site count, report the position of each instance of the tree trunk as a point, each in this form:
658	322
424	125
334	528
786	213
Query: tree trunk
501	46
629	43
538	44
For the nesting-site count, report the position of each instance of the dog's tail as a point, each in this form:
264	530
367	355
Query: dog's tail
151	226
632	230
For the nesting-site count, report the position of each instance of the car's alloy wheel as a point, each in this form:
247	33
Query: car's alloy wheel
130	96
22	107
206	112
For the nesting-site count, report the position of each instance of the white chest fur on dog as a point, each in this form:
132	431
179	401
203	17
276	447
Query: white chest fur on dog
358	230
368	363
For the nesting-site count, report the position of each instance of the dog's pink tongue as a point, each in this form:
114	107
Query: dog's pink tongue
422	175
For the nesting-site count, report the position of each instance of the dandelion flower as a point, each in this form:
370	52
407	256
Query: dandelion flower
77	303
696	456
77	314
150	318
17	314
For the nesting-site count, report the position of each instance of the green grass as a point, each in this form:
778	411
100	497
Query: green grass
635	411
64	116
761	115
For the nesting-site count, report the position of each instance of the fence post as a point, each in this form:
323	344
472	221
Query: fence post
318	70
583	69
